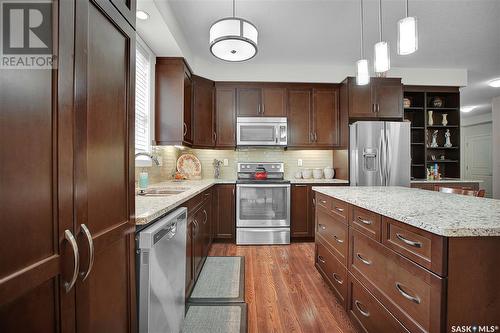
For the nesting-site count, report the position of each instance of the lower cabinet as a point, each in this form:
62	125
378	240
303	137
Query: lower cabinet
224	212
302	212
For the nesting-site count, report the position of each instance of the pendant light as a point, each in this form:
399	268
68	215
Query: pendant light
382	61
362	73
233	39
407	34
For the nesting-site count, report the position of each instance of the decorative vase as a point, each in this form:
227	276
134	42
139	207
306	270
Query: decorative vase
445	119
329	172
406	103
307	173
447	137
298	174
430	121
438	102
317	173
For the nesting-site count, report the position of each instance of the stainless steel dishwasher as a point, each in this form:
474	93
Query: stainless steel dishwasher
162	274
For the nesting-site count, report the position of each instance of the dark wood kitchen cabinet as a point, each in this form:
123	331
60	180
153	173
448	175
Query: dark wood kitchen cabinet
224	212
302	212
266	100
313	117
76	203
381	98
173	102
225	115
204	135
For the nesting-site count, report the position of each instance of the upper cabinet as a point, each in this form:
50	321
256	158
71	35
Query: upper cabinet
173	105
381	98
204	135
225	116
313	117
262	100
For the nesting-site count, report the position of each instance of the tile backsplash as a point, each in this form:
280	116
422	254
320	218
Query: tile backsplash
169	154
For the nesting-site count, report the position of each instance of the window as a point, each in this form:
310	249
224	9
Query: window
143	78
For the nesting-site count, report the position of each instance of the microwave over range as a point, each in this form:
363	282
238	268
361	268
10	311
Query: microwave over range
261	131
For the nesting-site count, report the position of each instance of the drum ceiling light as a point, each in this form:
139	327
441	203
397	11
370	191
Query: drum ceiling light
233	39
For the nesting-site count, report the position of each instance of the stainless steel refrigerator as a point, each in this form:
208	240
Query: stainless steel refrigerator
380	153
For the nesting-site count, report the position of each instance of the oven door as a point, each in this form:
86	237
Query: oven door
262	205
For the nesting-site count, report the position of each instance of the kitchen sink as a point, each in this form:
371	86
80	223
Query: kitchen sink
161	191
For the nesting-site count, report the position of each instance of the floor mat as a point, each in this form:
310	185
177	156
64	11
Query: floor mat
219	318
222	280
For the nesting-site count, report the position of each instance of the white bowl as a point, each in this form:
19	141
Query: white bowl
307	173
318	173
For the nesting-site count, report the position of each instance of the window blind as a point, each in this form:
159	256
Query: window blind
142	99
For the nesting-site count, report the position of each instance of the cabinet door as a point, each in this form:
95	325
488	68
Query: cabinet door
36	190
326	117
203	113
225	212
127	9
198	240
388	95
206	210
188	108
274	102
104	195
225	112
361	104
301	225
299	117
189	255
249	102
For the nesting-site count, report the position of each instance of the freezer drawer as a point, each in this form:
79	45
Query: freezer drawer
248	236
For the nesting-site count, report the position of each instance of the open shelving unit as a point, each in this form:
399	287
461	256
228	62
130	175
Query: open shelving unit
422	155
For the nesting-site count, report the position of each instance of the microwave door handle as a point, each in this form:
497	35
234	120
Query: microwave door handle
277	133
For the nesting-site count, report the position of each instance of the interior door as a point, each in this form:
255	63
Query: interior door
104	168
249	101
36	200
478	155
299	117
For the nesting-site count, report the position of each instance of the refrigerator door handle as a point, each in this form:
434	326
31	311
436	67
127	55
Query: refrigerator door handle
381	157
388	157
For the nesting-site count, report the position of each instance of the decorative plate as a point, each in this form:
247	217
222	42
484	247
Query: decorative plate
190	166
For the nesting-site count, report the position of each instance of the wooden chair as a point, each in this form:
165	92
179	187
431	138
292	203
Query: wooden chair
462	191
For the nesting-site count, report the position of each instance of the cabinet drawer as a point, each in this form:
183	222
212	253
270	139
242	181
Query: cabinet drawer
426	249
367	222
410	292
368	313
334	234
340	209
323	201
333	271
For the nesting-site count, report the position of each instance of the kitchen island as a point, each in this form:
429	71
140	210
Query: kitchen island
407	260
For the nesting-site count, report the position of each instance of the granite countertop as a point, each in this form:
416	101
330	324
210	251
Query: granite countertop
450	215
149	208
318	181
445	180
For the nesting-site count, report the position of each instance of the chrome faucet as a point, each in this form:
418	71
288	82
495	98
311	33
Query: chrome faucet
151	156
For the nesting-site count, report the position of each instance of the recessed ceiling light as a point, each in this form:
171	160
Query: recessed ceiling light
467	108
142	15
494	83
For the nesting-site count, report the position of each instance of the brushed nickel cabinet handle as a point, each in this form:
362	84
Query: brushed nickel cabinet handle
185	129
339	209
315	137
320	258
322	226
363	312
338	239
314	201
215	136
263	109
322	201
76	260
337	278
88	235
409	242
364	260
206	216
367	222
414	299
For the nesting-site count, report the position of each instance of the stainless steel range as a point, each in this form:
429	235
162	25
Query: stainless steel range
262	204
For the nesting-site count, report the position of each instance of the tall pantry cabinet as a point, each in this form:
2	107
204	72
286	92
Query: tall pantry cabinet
67	178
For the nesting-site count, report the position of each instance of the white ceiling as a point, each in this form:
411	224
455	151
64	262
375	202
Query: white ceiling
453	34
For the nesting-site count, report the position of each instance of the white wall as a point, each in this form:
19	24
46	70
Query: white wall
496	146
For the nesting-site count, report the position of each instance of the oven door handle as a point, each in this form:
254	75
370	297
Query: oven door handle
264	185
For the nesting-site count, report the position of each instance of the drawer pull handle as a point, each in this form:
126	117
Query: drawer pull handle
338	239
337	278
363	312
409	242
320	258
365	261
323	201
367	222
414	299
339	209
322	226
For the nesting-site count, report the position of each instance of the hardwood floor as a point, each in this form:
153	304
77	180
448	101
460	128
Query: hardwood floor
284	291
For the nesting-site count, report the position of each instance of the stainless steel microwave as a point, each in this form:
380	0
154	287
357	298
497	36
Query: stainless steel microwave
261	131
